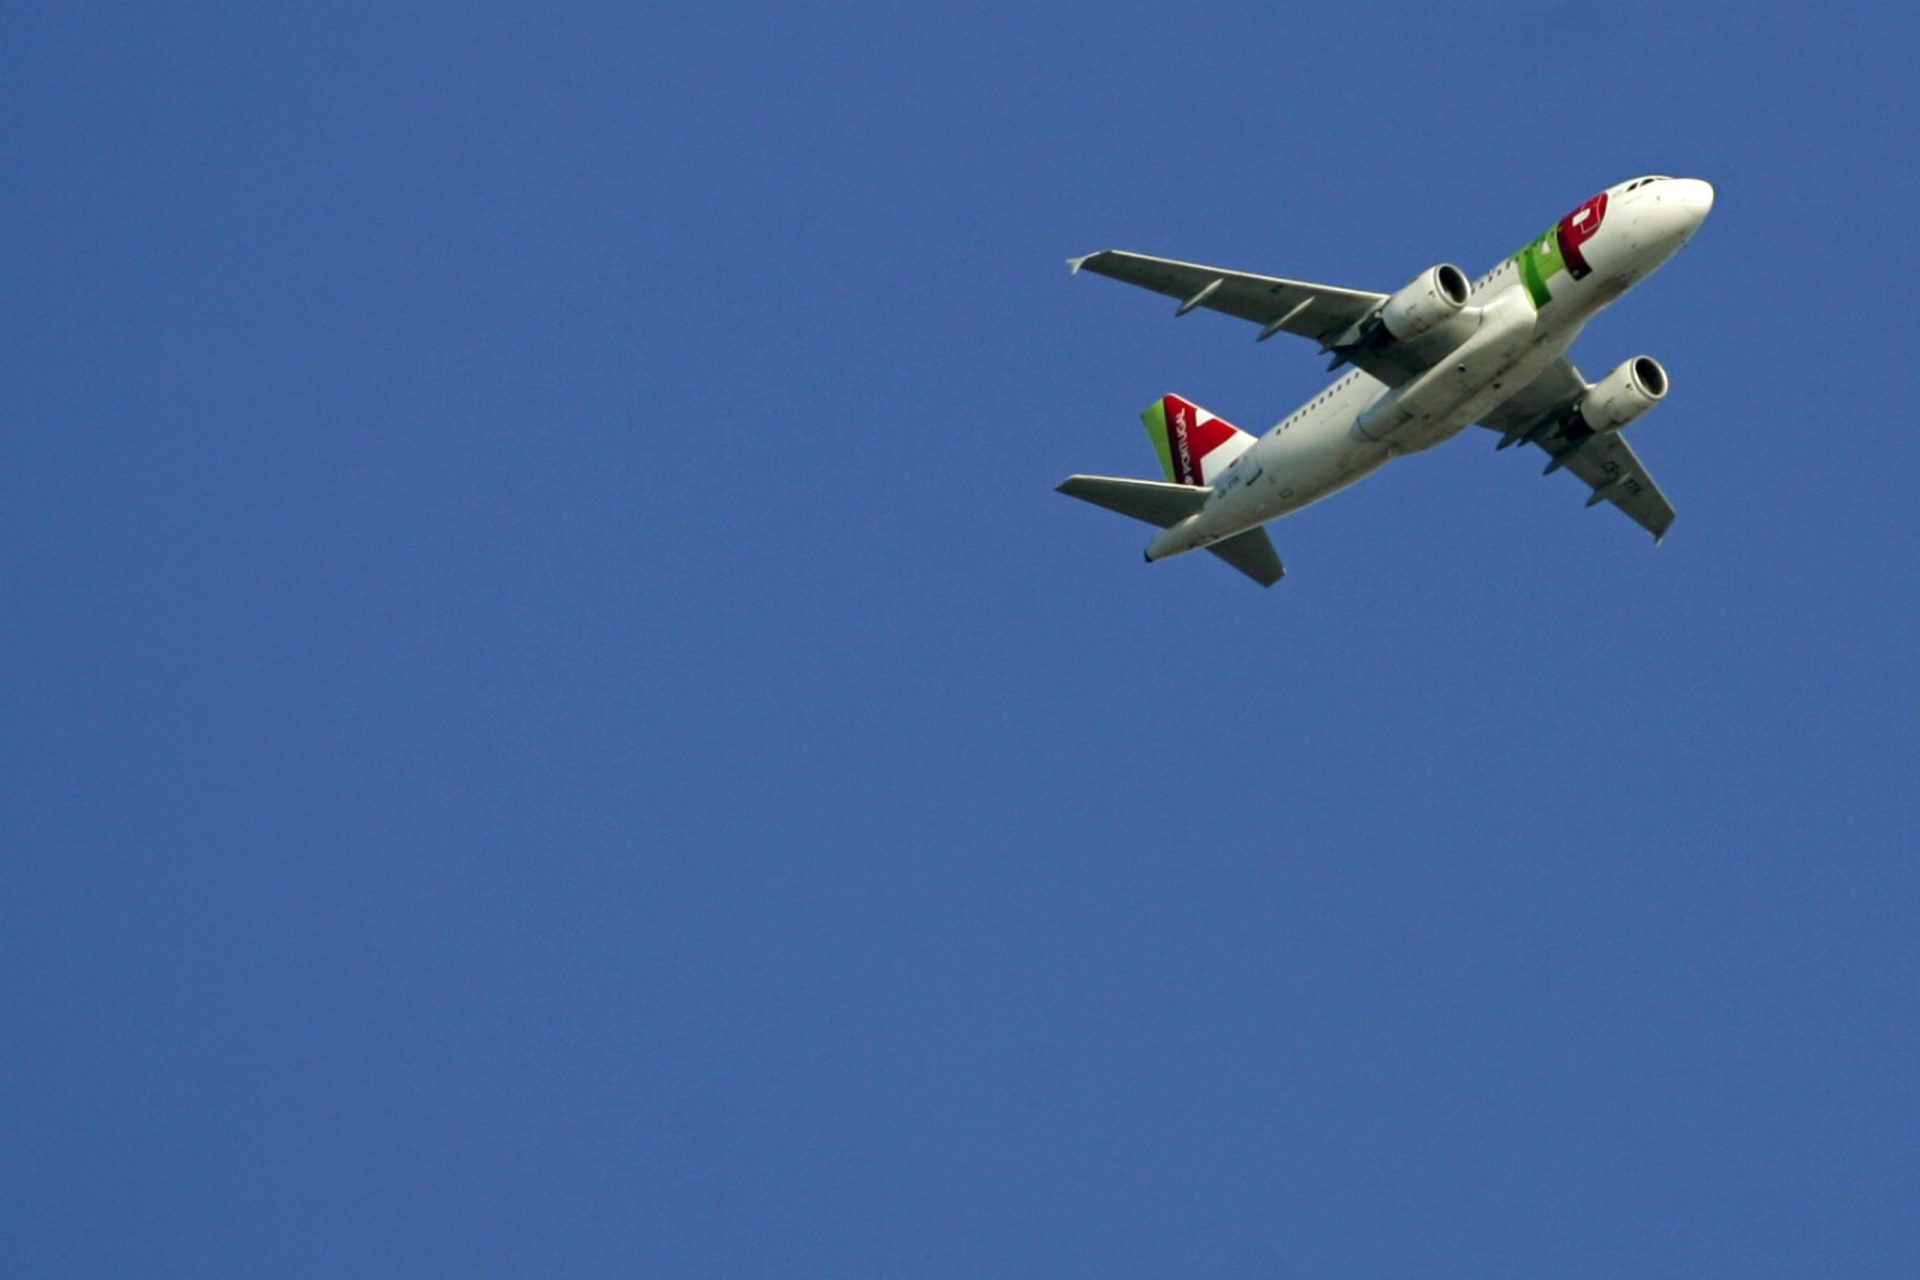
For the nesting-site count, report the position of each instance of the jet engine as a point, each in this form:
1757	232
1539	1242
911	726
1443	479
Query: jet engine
1624	394
1435	295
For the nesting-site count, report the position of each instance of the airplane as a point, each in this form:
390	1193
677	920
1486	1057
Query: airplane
1442	353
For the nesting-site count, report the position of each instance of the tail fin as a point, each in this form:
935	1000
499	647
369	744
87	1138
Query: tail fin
1194	446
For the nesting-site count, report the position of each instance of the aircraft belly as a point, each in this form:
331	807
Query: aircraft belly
1317	459
1425	410
1491	388
1464	395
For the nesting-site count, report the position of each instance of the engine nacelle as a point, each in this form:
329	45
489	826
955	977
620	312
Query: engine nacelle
1624	394
1430	298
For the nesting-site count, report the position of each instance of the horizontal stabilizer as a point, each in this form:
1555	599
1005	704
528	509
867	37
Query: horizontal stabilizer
1252	553
1149	500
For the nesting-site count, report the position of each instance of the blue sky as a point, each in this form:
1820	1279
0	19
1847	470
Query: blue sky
553	724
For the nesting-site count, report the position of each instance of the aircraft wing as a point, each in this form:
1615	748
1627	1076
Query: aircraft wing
1318	311
1323	312
1544	412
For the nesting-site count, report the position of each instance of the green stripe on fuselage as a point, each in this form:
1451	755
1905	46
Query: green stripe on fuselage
1539	262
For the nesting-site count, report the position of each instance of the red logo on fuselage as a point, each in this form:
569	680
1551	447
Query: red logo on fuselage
1576	229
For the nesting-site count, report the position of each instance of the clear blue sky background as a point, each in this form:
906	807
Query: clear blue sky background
552	724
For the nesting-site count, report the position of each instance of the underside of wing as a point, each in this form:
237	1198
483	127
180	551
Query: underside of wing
1546	412
1317	311
1350	323
1608	465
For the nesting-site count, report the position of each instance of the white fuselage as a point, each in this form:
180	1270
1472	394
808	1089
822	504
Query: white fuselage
1358	424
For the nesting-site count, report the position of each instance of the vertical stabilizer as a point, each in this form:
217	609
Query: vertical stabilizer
1194	446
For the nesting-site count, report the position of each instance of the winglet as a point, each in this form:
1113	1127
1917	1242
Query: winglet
1074	264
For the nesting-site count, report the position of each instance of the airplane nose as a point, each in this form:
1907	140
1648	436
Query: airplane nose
1696	197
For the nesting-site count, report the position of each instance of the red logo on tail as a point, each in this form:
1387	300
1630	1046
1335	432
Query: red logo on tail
1193	438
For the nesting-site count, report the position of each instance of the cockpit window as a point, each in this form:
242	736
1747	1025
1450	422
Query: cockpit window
1637	183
